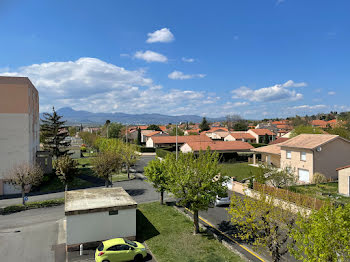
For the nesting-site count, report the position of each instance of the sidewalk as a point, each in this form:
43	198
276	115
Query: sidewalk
16	201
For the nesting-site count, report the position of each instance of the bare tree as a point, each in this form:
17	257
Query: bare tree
232	119
25	175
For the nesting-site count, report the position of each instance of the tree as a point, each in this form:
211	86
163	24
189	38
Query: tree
156	173
72	130
54	134
278	177
323	236
154	127
139	136
195	180
180	132
341	131
231	120
303	129
240	126
89	138
105	164
297	121
262	223
204	126
24	176
129	155
266	139
114	130
65	170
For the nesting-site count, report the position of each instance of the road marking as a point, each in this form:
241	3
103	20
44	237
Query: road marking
246	249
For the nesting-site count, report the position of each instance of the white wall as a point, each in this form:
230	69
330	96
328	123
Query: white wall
100	226
149	142
185	148
229	138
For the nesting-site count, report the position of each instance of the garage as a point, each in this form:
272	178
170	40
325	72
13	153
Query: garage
304	175
98	214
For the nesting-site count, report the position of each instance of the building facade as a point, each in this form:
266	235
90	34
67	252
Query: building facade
19	126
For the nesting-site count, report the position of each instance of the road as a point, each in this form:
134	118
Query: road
36	235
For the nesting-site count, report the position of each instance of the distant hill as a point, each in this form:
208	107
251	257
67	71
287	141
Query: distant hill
84	117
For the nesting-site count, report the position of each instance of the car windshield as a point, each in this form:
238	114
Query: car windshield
100	247
131	243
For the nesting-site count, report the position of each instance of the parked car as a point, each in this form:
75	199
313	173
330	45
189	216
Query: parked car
222	201
120	249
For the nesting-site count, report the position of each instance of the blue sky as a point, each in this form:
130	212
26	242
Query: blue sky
256	58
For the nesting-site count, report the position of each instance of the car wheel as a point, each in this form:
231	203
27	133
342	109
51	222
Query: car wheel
138	258
105	260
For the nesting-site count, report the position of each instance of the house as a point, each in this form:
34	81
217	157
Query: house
240	136
217	135
97	214
344	180
170	141
192	131
307	154
279	140
260	135
269	126
155	133
218	146
319	123
19	126
144	134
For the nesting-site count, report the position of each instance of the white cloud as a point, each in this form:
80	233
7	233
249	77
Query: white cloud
163	36
278	2
331	93
241	104
94	85
188	60
279	92
308	107
150	56
177	75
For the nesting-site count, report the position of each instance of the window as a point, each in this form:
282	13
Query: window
118	248
131	243
303	156
289	155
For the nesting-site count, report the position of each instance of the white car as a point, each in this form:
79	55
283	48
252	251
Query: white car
222	201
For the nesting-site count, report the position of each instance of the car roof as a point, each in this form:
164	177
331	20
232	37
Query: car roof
112	242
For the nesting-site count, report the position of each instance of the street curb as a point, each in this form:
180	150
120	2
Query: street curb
216	236
153	256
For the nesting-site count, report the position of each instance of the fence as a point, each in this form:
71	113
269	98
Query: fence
296	198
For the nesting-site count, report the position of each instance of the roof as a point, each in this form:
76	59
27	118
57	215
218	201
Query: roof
180	139
262	131
344	167
287	127
163	128
279	140
215	129
309	141
241	135
153	133
270	149
97	200
320	123
221	133
220	145
14	80
146	132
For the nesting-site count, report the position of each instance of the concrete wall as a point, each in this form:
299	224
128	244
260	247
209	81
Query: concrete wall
185	148
99	226
333	155
149	142
295	163
344	182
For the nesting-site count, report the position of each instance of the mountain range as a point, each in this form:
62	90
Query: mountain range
75	117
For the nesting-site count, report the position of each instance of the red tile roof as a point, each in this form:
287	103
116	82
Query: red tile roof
215	129
220	145
340	168
153	133
180	139
262	132
163	128
278	140
241	135
320	123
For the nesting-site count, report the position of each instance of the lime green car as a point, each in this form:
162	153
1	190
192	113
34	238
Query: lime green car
120	249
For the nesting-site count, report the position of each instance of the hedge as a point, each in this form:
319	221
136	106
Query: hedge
160	152
32	205
146	149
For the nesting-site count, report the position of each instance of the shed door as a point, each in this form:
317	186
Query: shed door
304	175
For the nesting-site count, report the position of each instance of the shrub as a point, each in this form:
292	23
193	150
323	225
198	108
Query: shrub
146	149
162	152
319	178
83	149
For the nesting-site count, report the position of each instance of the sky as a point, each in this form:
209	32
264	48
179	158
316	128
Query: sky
256	58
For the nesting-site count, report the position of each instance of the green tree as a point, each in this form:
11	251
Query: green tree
204	126
72	130
25	175
303	129
114	130
105	164
156	173
262	223
323	236
240	126
195	180
266	139
139	136
154	127
278	177
180	132
66	170
341	131
129	155
54	134
89	138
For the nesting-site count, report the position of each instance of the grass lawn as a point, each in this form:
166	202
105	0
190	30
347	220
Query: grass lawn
54	184
326	191
121	177
239	170
168	234
84	161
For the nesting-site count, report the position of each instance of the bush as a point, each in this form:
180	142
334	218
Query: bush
319	178
32	205
146	149
83	149
162	152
